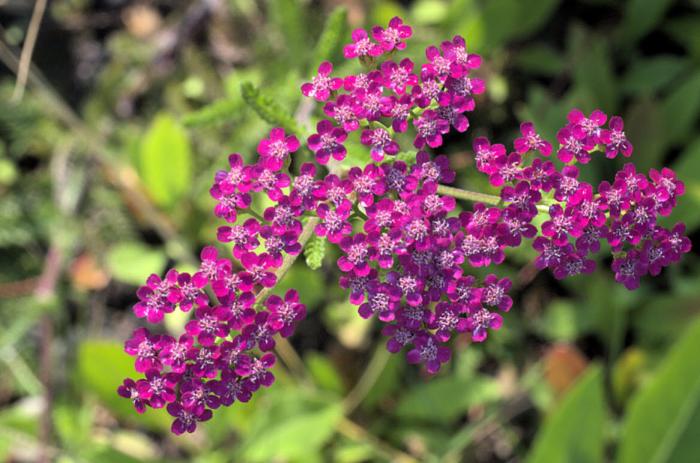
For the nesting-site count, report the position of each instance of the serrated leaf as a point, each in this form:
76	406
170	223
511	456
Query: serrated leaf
331	37
663	418
165	160
574	431
315	251
268	109
133	262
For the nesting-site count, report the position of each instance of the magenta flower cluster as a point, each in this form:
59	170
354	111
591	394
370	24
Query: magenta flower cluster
407	257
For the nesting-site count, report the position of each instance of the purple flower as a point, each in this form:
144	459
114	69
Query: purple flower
430	128
174	353
362	46
334	222
398	76
615	140
322	84
486	155
259	373
480	320
153	298
427	350
328	142
344	110
357	255
128	390
393	36
209	324
630	268
243	237
157	389
495	292
587	127
573	146
285	313
146	348
274	151
531	141
186	419
381	143
367	183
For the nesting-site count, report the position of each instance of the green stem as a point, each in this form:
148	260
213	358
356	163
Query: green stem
468	195
289	259
475	196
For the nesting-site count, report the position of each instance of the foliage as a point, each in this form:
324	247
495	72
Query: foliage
109	160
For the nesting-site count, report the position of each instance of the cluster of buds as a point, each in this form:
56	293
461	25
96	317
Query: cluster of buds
407	255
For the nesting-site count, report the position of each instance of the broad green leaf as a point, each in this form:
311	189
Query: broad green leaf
218	112
687	168
288	18
165	160
574	430
132	262
427	12
681	109
664	417
505	20
324	372
446	399
593	71
101	368
648	75
644	126
686	31
294	428
315	251
268	109
640	17
540	59
331	38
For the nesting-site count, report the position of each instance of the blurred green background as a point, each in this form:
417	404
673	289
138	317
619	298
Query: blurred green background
105	163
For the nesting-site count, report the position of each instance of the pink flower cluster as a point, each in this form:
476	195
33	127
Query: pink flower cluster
407	257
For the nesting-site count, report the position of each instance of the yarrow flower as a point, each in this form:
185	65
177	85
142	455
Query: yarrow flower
406	253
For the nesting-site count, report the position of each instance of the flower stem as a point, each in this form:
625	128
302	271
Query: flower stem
289	259
475	196
468	195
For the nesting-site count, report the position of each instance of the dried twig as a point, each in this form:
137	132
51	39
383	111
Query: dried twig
28	49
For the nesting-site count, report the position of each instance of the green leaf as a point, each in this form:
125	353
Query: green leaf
268	109
216	113
640	17
649	75
429	12
540	59
315	251
686	31
332	36
294	428
447	398
324	372
663	418
682	108
593	73
289	18
506	20
687	168
644	125
101	368
132	262
165	160
574	430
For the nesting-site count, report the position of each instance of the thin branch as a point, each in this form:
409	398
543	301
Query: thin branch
28	49
367	380
475	196
354	431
